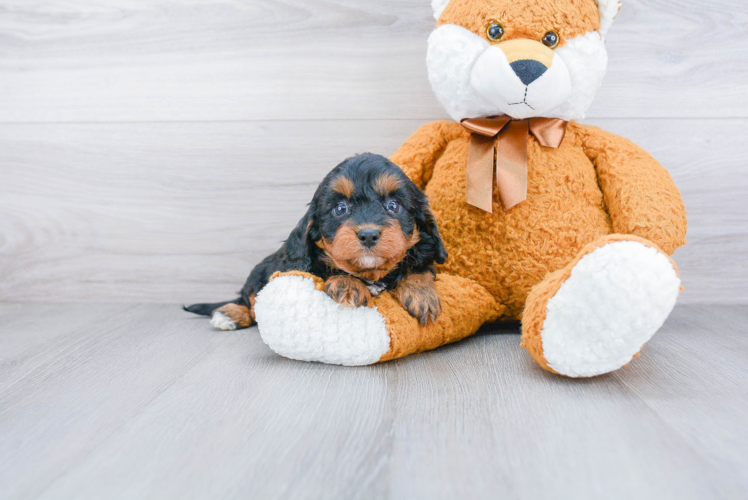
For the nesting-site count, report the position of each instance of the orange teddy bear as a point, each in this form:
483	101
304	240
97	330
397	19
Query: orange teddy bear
563	226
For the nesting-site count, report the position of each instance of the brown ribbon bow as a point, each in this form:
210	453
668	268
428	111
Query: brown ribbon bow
503	141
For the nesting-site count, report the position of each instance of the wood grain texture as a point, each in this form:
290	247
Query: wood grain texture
154	150
177	60
181	212
156	404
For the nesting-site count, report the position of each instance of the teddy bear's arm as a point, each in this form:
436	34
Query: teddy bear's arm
419	154
641	197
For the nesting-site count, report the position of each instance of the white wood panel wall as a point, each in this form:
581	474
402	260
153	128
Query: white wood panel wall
154	150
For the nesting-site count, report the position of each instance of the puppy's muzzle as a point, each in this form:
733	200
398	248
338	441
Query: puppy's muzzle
369	237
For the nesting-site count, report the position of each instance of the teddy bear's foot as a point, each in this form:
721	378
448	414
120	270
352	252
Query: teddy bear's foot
594	316
298	320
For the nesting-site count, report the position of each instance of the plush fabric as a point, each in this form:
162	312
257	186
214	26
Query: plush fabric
465	307
590	314
583	262
544	94
454	58
299	321
509	252
525	19
608	9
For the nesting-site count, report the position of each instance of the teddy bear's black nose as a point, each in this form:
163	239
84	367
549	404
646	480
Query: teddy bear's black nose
528	70
368	237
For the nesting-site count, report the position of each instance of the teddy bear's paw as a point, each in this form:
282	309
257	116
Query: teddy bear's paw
615	299
299	321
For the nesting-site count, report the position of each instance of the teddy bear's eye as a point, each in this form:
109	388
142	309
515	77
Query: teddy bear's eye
495	31
551	39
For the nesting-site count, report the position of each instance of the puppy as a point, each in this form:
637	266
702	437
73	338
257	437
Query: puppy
368	229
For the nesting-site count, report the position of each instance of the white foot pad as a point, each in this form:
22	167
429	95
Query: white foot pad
615	300
300	322
222	322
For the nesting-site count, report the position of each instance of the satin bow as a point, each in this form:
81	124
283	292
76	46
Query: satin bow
502	141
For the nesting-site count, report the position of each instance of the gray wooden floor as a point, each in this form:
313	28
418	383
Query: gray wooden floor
153	151
144	401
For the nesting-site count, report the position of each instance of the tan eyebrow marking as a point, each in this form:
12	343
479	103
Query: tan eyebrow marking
344	186
387	183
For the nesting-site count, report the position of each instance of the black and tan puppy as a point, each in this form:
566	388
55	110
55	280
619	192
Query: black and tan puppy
368	229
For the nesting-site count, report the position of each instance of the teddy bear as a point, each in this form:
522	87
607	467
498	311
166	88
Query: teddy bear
563	226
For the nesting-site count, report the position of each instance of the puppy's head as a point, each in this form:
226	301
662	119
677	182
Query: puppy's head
367	216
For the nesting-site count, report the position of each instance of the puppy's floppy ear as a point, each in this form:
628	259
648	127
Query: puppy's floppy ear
300	243
430	239
430	245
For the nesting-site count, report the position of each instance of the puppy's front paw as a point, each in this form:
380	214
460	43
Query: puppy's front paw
417	294
348	291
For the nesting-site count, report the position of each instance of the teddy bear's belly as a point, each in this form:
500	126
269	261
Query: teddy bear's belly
508	253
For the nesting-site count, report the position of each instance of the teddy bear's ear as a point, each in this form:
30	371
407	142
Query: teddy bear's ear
439	6
608	11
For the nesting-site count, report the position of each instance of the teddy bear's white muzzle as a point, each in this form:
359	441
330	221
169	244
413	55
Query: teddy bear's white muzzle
523	88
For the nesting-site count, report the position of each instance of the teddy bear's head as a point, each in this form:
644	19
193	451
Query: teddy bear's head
521	58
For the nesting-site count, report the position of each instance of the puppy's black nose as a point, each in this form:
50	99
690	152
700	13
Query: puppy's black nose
528	70
368	237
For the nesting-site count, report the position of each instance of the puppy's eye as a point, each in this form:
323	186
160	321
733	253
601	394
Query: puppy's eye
340	209
495	31
551	39
394	206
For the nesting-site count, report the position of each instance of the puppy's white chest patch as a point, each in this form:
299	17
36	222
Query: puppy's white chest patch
375	288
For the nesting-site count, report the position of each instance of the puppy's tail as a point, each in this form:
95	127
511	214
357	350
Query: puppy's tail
207	309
